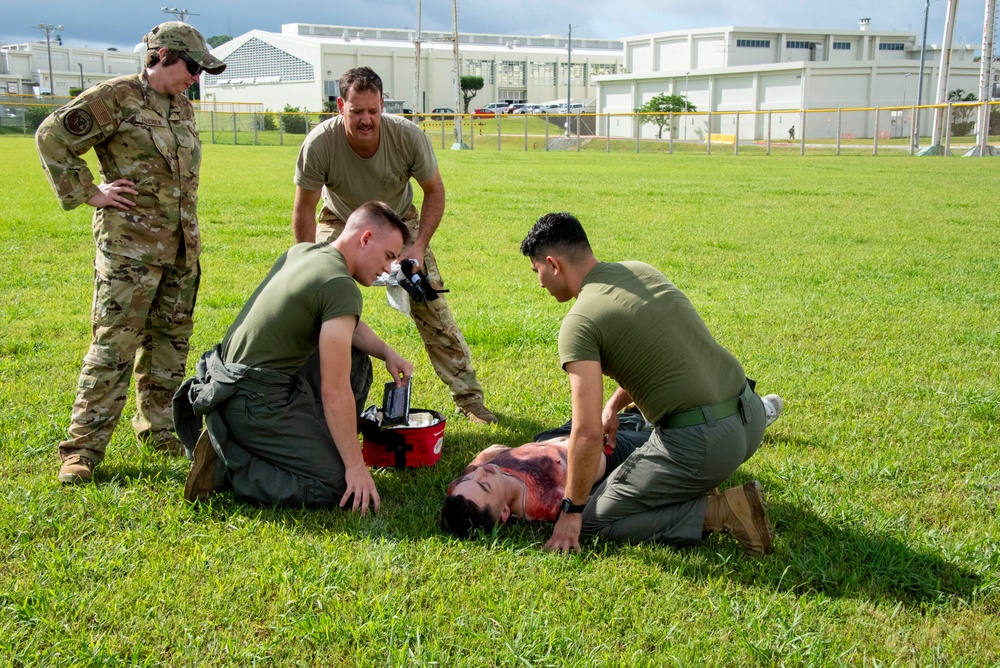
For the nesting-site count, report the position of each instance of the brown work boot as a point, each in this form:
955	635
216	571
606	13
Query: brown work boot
742	513
478	413
76	470
201	478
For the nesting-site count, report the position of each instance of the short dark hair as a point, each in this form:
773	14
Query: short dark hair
360	79
552	231
461	517
169	58
385	213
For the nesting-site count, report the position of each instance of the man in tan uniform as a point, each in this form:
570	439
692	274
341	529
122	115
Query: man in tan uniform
146	229
361	155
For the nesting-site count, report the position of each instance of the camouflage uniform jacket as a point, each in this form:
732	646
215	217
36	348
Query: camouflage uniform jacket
161	156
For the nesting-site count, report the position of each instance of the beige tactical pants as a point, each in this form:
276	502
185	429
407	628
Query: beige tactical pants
141	320
443	341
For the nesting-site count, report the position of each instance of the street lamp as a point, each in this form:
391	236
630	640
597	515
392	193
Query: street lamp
906	81
920	81
80	65
181	14
569	76
48	29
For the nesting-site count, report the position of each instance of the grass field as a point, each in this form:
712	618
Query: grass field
863	290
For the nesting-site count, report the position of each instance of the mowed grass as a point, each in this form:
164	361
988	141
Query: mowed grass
863	290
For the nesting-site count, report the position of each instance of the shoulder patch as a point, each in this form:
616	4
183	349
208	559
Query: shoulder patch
100	112
78	122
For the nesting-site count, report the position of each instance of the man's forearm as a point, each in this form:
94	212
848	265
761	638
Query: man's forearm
339	409
304	215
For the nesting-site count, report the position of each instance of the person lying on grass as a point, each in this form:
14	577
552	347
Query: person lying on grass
527	482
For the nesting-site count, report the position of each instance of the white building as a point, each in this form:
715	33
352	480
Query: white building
302	64
24	68
758	69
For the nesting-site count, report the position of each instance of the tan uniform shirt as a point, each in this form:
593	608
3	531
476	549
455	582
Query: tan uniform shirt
327	161
123	120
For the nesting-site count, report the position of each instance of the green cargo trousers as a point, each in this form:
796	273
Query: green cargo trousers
659	494
141	319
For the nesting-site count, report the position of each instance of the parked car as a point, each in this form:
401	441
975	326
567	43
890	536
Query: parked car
483	112
576	108
496	107
514	108
441	113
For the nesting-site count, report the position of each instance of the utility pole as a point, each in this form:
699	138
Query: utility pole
48	29
80	65
181	14
458	77
920	80
416	64
989	25
942	94
569	77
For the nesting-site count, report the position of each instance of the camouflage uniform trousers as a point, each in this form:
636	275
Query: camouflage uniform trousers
141	320
449	354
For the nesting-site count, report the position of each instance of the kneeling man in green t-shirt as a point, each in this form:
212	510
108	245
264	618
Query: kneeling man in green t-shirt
632	324
280	394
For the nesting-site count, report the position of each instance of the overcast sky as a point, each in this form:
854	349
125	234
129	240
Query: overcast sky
103	23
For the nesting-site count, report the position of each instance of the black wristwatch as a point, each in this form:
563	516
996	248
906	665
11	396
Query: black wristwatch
568	506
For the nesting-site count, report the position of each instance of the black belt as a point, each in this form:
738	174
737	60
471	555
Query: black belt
696	416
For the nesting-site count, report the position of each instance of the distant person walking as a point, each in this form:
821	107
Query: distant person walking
146	273
791	133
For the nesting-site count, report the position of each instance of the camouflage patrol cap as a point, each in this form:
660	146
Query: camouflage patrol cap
180	36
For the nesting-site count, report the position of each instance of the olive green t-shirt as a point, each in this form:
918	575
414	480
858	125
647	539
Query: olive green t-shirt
327	161
278	328
648	337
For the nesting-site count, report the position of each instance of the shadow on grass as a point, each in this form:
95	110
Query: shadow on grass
836	558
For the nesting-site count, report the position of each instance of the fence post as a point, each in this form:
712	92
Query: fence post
607	131
802	133
211	117
708	132
736	137
578	136
913	111
637	126
875	143
670	133
768	133
472	134
546	131
24	119
499	134
255	123
947	131
281	128
839	119
525	132
236	140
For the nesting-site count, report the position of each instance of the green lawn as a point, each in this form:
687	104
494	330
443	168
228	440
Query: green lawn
863	290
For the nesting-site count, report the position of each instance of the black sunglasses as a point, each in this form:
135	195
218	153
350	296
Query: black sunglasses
193	68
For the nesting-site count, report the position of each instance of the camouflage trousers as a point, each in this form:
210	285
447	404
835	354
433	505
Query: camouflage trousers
449	354
141	320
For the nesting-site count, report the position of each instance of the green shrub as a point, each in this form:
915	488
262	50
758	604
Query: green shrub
962	128
34	115
294	121
76	90
267	121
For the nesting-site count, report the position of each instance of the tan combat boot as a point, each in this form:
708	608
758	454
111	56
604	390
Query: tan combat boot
201	478
76	470
742	513
478	413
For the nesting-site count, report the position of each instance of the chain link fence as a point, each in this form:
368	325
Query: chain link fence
835	131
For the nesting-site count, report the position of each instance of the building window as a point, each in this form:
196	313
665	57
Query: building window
542	74
841	46
597	70
480	68
511	73
579	74
891	46
791	44
754	43
256	61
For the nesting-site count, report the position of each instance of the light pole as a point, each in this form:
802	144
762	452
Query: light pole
181	14
686	81
80	65
920	81
906	81
569	76
48	29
